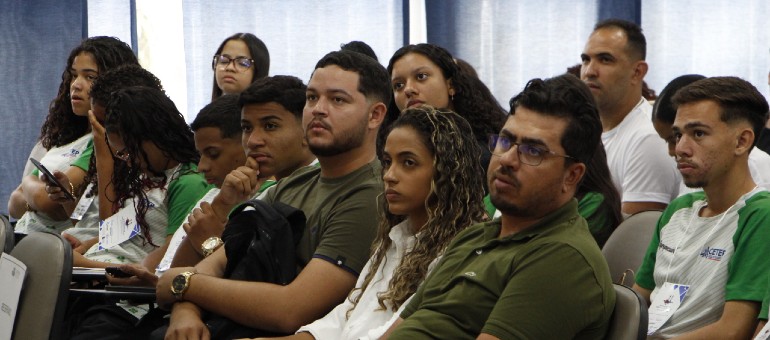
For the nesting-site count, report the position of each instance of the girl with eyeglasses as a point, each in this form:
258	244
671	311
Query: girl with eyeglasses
240	60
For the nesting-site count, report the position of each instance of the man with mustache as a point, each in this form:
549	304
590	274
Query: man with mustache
705	271
345	104
613	67
536	267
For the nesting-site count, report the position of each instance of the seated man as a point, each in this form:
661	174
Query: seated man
535	273
345	104
705	272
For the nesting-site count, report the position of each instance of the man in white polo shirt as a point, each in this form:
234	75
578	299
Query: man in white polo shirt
705	271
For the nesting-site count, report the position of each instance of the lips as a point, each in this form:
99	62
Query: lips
414	102
260	157
391	195
317	125
228	79
501	181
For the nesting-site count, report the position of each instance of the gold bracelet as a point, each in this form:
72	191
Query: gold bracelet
72	189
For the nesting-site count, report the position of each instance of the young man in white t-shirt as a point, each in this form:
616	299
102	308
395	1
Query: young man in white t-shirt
705	271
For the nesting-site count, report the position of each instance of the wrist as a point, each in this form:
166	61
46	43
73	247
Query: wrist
221	209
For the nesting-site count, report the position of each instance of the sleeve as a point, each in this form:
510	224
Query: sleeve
552	285
765	303
331	325
349	229
650	175
85	158
748	269
183	195
588	207
644	276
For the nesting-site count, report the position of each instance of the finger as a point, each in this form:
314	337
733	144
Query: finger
186	227
206	208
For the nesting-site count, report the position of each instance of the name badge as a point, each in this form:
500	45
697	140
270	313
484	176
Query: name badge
83	204
764	333
667	300
118	228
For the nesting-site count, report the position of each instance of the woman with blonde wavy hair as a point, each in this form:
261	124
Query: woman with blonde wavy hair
433	190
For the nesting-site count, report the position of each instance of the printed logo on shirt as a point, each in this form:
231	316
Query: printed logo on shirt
714	254
665	247
71	154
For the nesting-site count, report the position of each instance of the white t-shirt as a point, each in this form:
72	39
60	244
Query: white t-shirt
638	159
368	320
56	159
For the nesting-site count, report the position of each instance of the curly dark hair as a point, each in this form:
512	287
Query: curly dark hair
472	99
101	91
454	202
259	53
62	126
141	114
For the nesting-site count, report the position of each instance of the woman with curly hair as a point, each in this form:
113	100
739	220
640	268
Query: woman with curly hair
65	132
432	192
240	59
145	130
428	74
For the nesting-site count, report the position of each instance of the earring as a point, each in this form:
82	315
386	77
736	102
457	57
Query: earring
451	97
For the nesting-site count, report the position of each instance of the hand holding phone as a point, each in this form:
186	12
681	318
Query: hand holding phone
51	179
116	272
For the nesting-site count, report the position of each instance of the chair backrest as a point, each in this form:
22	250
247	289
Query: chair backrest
43	300
627	245
629	319
6	235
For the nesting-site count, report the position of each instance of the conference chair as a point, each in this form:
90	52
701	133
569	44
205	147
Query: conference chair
625	249
629	319
6	235
43	299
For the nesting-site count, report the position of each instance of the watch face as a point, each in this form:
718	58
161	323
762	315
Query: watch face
178	283
210	243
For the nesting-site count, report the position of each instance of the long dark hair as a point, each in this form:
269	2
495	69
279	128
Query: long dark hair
472	99
598	179
258	52
142	114
62	126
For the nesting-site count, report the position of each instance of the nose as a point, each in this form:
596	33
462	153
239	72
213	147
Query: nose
319	108
682	147
409	89
230	65
389	176
511	158
255	140
203	164
587	70
77	83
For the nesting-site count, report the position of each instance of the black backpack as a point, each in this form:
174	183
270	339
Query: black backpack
260	242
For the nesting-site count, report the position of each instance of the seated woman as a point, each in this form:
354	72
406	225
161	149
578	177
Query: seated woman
65	134
432	192
240	60
146	131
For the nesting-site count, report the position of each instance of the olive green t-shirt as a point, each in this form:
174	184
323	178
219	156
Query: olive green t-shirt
341	213
547	282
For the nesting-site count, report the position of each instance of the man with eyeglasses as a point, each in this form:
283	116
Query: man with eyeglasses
613	67
536	272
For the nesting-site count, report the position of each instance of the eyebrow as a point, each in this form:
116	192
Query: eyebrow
72	69
690	126
526	140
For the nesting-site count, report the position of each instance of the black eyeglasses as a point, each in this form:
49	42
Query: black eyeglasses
528	154
241	63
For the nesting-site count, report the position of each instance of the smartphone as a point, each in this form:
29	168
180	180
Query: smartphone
116	272
52	179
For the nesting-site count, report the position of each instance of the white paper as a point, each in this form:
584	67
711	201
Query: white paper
12	273
667	300
118	228
83	204
764	334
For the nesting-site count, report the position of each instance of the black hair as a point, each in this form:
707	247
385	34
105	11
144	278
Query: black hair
142	114
373	79
259	54
120	77
288	91
472	99
598	179
360	47
738	99
664	110
222	113
637	43
569	98
62	126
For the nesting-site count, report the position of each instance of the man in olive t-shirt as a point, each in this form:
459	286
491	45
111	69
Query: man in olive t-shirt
535	273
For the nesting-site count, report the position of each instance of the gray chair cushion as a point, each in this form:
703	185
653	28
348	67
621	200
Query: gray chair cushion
629	319
627	245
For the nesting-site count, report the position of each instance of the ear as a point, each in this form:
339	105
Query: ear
572	176
744	141
377	114
640	70
450	87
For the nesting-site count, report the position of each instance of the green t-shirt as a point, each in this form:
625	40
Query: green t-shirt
547	282
342	214
183	194
85	157
765	304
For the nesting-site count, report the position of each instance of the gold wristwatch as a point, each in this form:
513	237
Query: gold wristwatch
180	284
210	245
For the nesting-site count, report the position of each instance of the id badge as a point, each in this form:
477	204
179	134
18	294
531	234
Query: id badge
665	303
118	228
83	204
